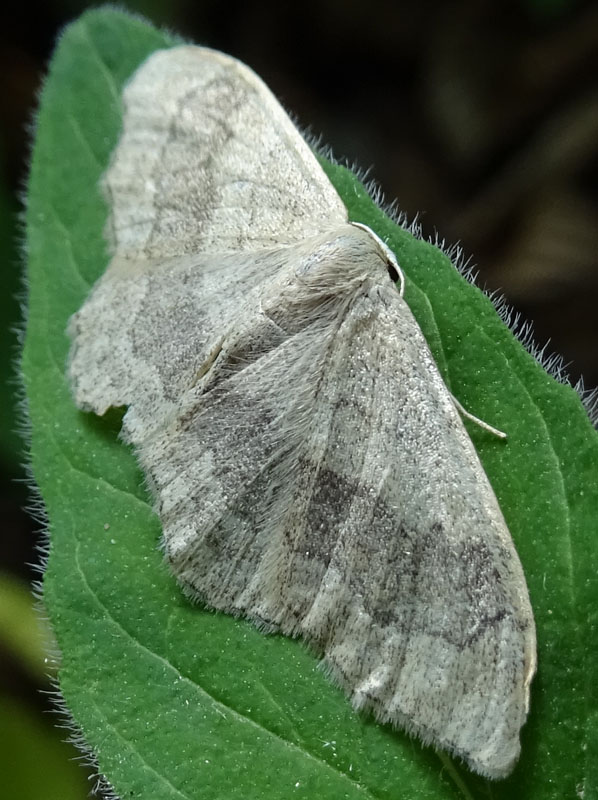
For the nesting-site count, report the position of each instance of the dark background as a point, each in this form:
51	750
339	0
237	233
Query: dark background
480	117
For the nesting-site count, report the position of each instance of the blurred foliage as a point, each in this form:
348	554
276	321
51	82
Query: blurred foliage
10	443
34	761
22	631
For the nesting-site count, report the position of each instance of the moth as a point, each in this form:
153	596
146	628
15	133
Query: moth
308	464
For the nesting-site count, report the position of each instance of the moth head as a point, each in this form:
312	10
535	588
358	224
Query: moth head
392	265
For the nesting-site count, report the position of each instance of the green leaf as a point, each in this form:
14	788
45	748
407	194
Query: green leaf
178	702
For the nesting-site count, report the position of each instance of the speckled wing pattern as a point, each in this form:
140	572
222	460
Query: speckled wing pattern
307	462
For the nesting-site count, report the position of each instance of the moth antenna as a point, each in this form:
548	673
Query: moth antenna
484	425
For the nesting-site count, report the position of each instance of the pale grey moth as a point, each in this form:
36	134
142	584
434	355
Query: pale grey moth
308	464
